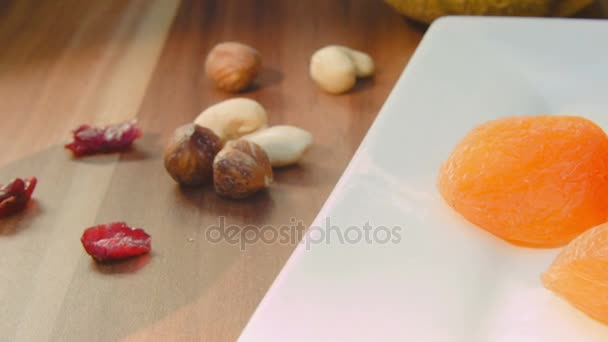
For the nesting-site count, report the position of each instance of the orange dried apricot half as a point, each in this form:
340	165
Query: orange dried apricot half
579	274
535	181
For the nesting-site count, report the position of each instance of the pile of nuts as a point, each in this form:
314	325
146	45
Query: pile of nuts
230	144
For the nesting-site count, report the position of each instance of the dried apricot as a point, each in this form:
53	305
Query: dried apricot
579	274
532	180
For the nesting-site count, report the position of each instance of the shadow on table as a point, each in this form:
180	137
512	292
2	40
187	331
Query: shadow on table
16	222
268	77
128	266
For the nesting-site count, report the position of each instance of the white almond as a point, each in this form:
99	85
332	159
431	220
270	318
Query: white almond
283	144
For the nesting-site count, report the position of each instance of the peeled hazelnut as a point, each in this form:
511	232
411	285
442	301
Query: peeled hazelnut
335	68
232	66
364	64
241	169
190	153
233	118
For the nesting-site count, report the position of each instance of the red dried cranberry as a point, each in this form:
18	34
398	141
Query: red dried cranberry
115	241
112	138
15	195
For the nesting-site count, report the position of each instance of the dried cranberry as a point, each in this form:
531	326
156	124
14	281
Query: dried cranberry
15	195
115	241
112	138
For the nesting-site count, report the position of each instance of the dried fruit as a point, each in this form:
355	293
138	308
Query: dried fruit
190	153
537	181
15	195
112	138
233	66
241	169
579	274
115	241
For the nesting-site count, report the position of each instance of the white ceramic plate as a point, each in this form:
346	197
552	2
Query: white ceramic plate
441	279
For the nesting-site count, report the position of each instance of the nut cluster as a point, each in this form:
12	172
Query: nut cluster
243	165
230	144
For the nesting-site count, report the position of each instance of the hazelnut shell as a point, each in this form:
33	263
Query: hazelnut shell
190	154
241	169
232	66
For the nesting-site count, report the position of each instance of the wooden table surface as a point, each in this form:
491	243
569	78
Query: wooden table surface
69	62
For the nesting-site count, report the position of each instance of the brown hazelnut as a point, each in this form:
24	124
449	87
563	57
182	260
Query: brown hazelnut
232	66
241	169
190	153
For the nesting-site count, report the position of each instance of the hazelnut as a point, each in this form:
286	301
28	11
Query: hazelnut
241	169
336	68
232	66
190	153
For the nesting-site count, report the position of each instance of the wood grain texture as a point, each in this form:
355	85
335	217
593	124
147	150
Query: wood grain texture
68	62
64	63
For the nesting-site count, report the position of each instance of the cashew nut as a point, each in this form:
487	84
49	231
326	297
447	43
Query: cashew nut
283	144
233	118
335	68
